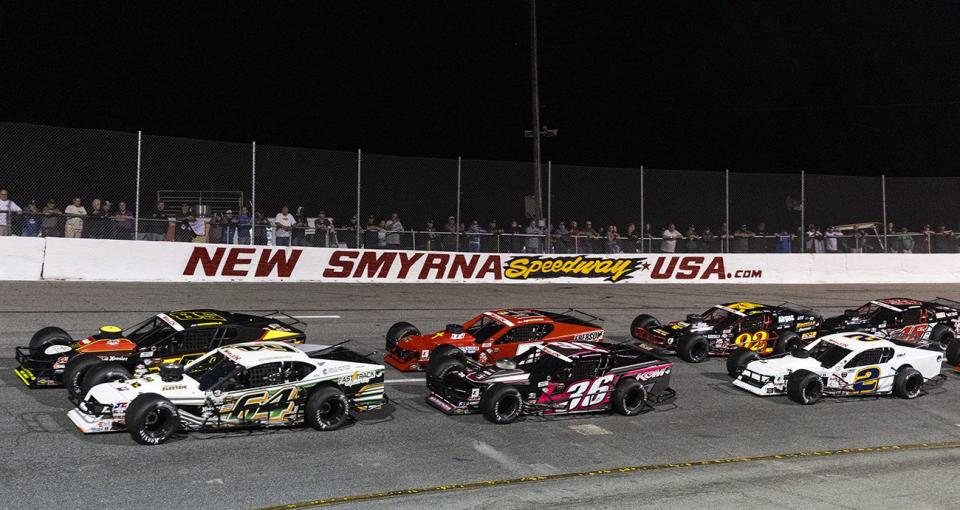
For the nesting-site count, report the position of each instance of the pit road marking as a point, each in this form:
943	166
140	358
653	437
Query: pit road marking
373	496
315	316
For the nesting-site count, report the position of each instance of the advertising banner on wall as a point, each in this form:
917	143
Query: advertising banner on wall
105	260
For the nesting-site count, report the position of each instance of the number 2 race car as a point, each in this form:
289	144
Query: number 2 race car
256	384
552	379
54	358
843	364
763	329
924	324
488	337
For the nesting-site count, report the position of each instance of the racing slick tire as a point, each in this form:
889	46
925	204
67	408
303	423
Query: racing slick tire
327	408
102	372
447	364
738	359
46	337
629	397
152	419
805	387
643	321
398	331
693	348
789	341
75	370
908	383
942	338
953	353
444	351
501	404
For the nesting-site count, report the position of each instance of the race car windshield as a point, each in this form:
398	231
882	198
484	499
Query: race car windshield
715	316
484	329
147	331
876	313
829	354
213	372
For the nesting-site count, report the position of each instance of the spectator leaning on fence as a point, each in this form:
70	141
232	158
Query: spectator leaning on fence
244	223
708	241
394	227
561	238
534	234
474	233
31	220
613	240
124	220
324	234
8	208
283	227
906	241
154	226
669	242
693	240
830	239
50	224
74	212
184	232
741	239
94	228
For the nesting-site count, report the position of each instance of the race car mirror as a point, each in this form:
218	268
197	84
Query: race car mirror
171	372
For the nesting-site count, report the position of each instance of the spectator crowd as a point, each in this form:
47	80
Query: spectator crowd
101	219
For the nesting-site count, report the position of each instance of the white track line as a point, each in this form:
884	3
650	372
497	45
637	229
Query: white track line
405	381
315	316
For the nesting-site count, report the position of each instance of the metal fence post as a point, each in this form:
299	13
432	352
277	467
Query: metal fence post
458	205
548	244
253	193
803	211
643	223
883	192
359	158
727	203
136	198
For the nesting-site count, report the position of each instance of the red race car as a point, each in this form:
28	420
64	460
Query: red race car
490	336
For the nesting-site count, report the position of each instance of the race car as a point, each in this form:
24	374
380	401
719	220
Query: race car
763	329
552	379
53	358
924	324
842	364
254	384
488	337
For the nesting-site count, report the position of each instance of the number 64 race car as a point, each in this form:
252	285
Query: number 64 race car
842	364
552	379
257	384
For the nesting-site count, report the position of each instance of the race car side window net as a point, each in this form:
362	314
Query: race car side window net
267	374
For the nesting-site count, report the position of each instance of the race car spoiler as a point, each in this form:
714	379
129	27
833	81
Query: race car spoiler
289	319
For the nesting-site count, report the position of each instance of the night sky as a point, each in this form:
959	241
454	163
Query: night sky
858	88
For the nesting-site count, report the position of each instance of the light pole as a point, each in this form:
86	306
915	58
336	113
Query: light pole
535	114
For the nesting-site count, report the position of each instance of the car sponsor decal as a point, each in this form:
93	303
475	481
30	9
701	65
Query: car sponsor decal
170	322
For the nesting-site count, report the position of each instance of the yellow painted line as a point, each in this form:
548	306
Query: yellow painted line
455	487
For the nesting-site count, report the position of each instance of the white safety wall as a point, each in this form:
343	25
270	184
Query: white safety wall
105	260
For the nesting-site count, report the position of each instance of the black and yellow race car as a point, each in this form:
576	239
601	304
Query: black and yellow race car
53	358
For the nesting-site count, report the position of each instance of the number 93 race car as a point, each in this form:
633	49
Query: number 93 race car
257	384
552	379
841	364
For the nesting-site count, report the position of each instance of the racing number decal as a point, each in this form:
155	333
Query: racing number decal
916	330
585	394
866	379
189	315
756	342
265	404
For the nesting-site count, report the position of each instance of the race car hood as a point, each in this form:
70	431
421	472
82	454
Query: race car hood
126	391
841	322
96	344
673	331
498	375
428	342
784	365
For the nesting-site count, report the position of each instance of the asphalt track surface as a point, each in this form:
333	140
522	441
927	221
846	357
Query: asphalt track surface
381	459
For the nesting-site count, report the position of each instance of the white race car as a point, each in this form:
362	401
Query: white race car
841	364
256	384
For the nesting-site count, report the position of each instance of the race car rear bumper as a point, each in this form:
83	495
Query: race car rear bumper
91	424
448	407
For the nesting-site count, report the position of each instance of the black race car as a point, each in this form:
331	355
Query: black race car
764	329
552	379
54	358
924	324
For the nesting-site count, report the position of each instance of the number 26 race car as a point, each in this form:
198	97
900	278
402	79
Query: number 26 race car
841	364
488	337
257	384
763	329
54	358
552	379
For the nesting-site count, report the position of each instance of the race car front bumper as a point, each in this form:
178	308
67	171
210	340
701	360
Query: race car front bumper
34	372
758	384
403	364
93	424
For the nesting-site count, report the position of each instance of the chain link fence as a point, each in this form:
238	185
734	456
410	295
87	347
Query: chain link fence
64	182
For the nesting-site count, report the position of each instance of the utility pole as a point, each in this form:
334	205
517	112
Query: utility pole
535	102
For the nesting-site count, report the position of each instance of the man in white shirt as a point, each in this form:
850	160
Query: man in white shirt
283	225
394	227
7	209
74	213
830	239
670	236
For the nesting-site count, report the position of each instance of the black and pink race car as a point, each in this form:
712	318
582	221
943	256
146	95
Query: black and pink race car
553	379
933	324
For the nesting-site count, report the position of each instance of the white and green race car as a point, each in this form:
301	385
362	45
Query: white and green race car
841	364
257	384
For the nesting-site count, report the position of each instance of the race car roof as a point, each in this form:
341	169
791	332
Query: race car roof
897	303
255	353
515	316
745	308
856	341
209	317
